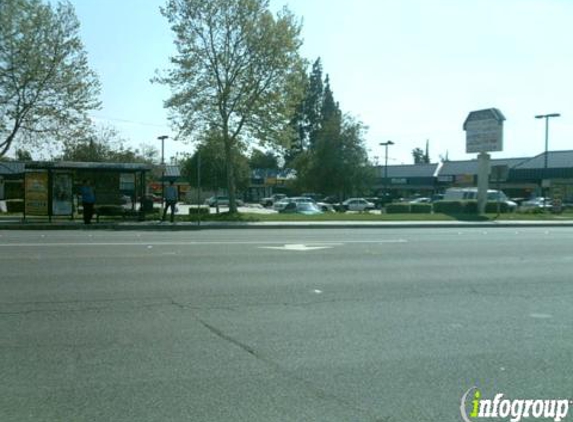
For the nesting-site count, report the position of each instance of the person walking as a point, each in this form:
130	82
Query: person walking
88	201
171	197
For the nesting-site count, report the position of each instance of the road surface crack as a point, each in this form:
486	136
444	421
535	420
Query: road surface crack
319	392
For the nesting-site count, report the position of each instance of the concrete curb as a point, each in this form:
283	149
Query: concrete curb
154	226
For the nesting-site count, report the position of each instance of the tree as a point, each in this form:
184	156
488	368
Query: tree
336	162
314	104
421	157
46	85
263	160
237	69
213	166
104	144
307	118
418	155
23	155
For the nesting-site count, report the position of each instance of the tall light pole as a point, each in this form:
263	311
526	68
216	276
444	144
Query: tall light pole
546	117
386	144
162	138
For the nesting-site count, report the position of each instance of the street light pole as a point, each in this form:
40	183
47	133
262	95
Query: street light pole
385	144
162	138
545	164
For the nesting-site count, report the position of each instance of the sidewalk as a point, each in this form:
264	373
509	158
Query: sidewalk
12	223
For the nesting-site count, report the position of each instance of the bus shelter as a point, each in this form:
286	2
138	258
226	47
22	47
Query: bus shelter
51	189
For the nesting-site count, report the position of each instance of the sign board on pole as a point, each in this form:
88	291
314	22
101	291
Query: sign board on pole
484	131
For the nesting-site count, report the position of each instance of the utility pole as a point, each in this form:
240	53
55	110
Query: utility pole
162	138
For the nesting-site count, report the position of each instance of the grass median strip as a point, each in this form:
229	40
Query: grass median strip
252	217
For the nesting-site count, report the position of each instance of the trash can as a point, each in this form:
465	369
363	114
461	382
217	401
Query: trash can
146	206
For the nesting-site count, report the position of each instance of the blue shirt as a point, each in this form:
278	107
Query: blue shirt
87	193
171	193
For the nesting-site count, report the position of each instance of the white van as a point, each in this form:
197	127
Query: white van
466	194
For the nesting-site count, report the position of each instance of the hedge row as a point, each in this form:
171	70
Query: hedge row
444	207
199	210
409	208
467	207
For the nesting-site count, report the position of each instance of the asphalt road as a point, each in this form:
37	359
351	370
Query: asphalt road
232	325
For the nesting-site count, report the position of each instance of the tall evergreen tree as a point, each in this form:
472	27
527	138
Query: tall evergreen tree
330	109
313	103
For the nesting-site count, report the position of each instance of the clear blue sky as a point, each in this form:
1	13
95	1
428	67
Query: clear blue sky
411	70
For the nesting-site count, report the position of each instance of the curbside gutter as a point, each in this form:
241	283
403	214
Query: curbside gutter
190	226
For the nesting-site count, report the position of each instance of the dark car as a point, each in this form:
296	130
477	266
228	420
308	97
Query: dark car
306	208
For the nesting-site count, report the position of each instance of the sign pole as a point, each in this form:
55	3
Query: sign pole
484	133
483	181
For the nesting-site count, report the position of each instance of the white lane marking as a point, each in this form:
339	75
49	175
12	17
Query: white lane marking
194	243
296	247
541	316
317	291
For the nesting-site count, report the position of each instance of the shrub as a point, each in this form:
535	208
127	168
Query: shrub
421	208
449	207
470	207
198	210
397	208
491	207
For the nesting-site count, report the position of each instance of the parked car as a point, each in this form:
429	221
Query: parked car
325	207
330	200
539	203
270	201
314	196
280	205
462	194
421	200
306	208
221	201
357	204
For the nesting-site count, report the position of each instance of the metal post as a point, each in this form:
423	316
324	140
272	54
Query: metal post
198	188
385	171
162	138
545	161
498	193
385	144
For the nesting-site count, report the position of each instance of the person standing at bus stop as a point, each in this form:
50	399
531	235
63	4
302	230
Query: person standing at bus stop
88	200
171	197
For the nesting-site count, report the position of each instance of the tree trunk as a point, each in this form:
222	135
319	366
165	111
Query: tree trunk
230	172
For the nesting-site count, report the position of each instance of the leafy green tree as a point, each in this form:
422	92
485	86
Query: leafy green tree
23	155
46	85
104	144
263	160
237	69
211	156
